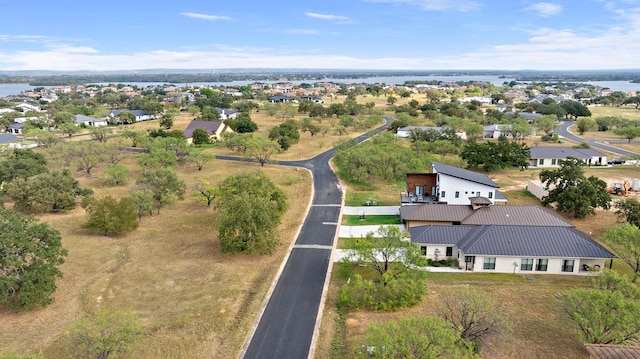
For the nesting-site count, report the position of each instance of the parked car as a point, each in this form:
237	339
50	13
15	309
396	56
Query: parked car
615	161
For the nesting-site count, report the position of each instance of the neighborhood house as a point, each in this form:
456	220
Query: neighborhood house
450	185
551	156
451	213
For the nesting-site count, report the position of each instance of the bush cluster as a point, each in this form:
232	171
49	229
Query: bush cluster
366	294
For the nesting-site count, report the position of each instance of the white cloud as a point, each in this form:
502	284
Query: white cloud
204	16
328	17
24	38
545	9
301	31
433	5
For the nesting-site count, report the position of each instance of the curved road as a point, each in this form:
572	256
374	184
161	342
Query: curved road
563	131
287	325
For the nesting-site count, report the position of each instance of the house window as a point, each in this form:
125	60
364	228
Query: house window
567	265
457	194
526	264
442	194
423	250
542	265
477	194
541	161
490	194
554	161
489	263
469	259
449	252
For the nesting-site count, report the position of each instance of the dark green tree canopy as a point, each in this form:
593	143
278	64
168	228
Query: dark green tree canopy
200	136
286	134
110	216
495	155
22	163
30	253
250	207
46	192
571	191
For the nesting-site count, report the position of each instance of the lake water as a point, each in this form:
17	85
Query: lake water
624	86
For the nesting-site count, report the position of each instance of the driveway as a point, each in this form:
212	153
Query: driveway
290	319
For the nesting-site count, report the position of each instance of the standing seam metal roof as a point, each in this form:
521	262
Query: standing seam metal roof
463	174
516	241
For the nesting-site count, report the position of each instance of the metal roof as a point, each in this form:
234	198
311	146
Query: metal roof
7	137
534	241
608	351
435	212
514	241
524	215
503	215
440	234
563	152
463	174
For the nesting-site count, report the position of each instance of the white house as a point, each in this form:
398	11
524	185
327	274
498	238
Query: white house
314	99
543	156
496	130
8	140
514	249
485	100
140	115
405	132
90	121
456	185
226	114
28	107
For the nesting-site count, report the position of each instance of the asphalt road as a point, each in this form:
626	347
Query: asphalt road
287	325
593	142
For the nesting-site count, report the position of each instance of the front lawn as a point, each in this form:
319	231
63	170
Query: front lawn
357	220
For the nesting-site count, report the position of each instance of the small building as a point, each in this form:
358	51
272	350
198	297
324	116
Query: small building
314	99
405	132
550	156
496	130
90	121
8	140
215	129
16	128
140	115
226	114
282	99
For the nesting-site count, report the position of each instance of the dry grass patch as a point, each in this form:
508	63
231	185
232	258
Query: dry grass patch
626	112
194	301
539	327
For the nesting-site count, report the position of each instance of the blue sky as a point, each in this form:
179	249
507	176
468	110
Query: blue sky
329	34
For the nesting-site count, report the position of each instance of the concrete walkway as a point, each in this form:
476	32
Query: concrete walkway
361	231
372	210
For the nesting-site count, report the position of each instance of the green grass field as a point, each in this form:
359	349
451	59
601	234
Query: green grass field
355	220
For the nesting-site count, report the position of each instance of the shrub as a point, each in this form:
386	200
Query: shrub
365	294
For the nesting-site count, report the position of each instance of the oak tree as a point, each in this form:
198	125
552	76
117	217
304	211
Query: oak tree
250	207
30	253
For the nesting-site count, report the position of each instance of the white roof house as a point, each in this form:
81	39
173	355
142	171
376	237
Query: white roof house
548	156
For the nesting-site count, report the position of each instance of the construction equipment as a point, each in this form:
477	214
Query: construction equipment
619	189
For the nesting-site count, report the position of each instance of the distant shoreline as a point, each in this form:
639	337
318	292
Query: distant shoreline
187	77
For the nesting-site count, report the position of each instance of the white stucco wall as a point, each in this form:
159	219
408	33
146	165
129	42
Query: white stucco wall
465	188
554	265
431	250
